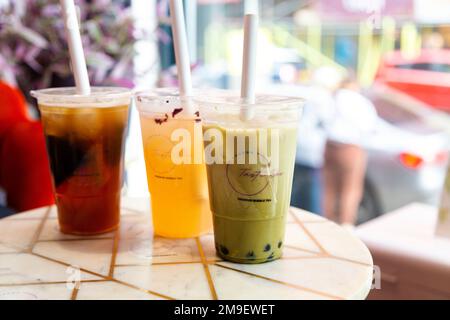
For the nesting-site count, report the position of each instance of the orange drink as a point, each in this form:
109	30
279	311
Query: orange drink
178	191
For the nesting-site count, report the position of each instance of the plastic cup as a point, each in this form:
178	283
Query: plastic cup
250	169
85	138
178	190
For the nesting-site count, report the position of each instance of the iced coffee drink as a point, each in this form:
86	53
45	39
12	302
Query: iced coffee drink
85	138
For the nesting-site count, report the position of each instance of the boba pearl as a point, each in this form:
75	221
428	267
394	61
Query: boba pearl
224	249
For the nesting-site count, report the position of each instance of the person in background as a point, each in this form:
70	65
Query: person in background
317	112
345	159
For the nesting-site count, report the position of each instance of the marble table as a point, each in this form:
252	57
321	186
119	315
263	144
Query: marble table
321	261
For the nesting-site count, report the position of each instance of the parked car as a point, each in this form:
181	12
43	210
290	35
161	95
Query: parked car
407	158
426	77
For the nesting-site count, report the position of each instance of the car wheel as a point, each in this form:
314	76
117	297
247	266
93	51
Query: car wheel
369	207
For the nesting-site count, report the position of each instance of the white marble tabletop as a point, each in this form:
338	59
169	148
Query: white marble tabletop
320	261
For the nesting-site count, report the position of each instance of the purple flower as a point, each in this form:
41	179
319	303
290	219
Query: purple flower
33	48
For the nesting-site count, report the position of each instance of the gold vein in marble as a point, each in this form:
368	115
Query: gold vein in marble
171	263
37	234
44	283
302	249
324	255
324	252
319	256
105	277
12	248
142	289
166	263
114	253
69	265
309	234
324	294
74	293
349	260
206	268
18	249
318	219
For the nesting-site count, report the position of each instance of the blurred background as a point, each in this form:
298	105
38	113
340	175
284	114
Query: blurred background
375	75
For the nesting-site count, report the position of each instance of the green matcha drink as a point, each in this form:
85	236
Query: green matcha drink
250	167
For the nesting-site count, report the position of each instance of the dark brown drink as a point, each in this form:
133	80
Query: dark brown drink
85	148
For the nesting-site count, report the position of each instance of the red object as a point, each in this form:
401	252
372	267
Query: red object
410	161
12	107
24	168
426	78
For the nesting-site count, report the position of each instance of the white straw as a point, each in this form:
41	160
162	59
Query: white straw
249	64
75	47
181	50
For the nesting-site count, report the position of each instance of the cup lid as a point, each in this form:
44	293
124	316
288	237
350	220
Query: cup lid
233	102
68	96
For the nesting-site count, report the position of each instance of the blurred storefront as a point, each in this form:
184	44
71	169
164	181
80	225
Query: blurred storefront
345	33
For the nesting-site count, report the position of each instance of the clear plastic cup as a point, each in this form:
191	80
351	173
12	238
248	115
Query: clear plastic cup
250	169
85	138
178	190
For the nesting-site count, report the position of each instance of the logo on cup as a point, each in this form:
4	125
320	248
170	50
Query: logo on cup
159	150
249	180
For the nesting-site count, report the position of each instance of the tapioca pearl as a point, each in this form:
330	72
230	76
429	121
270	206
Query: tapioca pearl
280	243
224	249
251	255
267	248
272	255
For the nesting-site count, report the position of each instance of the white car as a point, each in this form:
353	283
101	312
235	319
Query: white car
407	157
